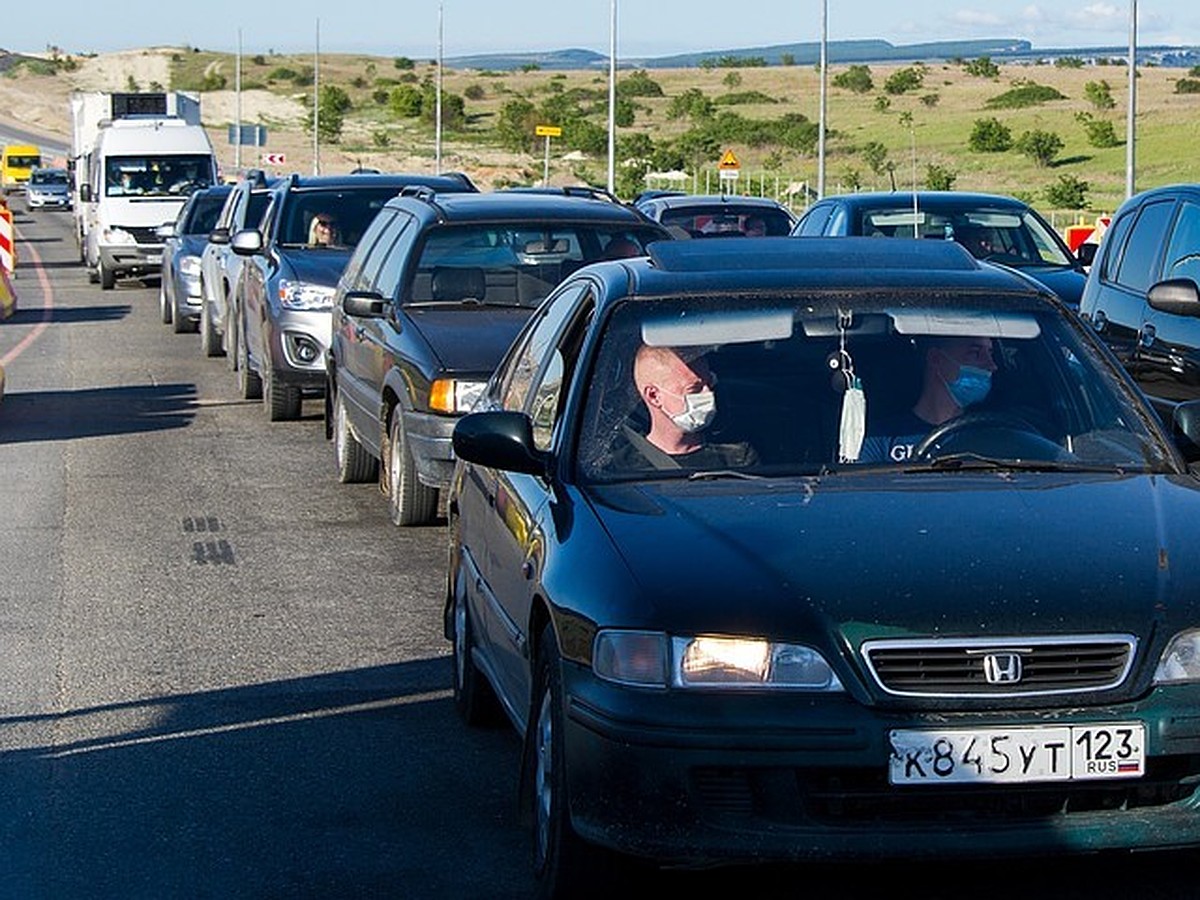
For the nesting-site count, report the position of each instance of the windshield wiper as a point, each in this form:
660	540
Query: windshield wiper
714	474
978	461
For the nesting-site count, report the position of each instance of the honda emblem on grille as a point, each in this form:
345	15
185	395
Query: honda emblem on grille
1002	668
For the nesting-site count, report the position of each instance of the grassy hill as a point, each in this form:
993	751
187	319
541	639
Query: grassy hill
765	114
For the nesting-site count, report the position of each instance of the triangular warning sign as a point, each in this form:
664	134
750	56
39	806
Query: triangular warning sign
729	161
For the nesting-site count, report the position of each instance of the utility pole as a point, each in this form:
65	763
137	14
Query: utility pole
824	78
437	128
612	97
317	103
1131	124
237	93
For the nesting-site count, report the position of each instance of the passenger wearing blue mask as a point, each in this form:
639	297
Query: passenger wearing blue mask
676	387
958	374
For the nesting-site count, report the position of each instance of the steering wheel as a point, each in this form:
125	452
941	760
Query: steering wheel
976	420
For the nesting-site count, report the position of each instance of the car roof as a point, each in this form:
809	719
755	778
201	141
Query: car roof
532	206
678	200
928	199
843	264
361	180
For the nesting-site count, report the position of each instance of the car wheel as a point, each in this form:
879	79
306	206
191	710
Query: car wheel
281	400
210	341
474	698
563	863
164	306
354	464
232	335
250	385
409	501
108	278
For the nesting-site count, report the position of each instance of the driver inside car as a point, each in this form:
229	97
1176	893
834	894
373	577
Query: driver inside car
957	375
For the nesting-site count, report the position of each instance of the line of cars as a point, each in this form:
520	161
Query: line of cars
794	652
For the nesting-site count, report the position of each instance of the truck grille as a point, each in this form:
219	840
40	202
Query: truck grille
1000	667
143	235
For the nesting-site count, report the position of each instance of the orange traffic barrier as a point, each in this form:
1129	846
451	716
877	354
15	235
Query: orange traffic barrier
8	296
8	244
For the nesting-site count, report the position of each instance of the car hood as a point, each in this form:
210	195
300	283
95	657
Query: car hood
851	557
322	267
468	338
1067	283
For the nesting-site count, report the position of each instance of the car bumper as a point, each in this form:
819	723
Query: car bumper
754	779
429	442
299	342
35	201
132	259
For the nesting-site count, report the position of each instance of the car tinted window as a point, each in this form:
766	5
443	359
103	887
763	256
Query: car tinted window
814	220
386	280
352	211
1140	262
524	365
1054	398
1112	245
368	256
203	215
1183	252
724	221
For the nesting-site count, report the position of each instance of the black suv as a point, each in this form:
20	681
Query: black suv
427	306
280	308
1141	294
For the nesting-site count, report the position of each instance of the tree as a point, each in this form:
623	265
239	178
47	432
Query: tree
405	101
1100	132
691	104
732	79
990	136
904	80
856	78
1040	146
516	125
1099	93
982	68
939	178
875	155
1068	192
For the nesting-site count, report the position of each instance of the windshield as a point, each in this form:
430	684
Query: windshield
330	219
728	221
48	176
1015	238
514	264
156	176
795	386
22	162
203	214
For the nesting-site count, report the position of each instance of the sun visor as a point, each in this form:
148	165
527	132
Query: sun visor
691	329
964	324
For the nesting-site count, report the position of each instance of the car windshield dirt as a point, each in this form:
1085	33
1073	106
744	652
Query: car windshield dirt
956	384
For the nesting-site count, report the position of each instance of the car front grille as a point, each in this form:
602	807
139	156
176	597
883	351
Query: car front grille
143	235
1000	667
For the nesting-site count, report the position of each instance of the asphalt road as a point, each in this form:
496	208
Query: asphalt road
223	674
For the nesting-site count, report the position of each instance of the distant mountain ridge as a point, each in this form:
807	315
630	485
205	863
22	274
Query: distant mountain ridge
843	52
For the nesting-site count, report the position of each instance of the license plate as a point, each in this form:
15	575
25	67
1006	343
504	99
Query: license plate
155	260
1039	753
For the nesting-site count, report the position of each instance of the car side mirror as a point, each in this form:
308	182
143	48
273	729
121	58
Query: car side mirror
1177	296
1086	253
165	230
219	236
364	304
85	193
247	242
498	440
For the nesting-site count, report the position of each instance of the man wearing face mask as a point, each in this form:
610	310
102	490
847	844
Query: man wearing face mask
958	374
676	388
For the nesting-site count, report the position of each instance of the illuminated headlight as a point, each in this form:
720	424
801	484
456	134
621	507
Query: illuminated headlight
450	396
115	235
1181	660
653	659
301	295
189	266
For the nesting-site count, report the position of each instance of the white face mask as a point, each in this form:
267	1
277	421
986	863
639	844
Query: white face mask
698	410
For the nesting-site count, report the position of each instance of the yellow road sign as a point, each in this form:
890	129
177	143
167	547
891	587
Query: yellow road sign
729	161
548	131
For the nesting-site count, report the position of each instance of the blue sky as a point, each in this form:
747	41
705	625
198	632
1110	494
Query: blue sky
644	27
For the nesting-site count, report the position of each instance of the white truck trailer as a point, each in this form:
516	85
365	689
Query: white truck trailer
135	158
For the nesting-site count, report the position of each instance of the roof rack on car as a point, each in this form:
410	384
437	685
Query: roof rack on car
424	193
257	176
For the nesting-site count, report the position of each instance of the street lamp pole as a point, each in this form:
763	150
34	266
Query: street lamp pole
317	102
1131	124
612	97
437	131
824	78
237	93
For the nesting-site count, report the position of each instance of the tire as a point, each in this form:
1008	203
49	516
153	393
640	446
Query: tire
474	699
232	335
210	341
354	464
564	865
108	278
250	385
283	401
164	307
409	501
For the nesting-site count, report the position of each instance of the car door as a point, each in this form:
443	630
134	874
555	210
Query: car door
1132	260
509	547
1171	343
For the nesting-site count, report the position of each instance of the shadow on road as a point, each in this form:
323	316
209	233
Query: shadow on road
63	415
66	315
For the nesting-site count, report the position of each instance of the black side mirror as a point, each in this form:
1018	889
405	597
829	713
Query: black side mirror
1185	429
1177	296
499	440
364	304
1086	253
85	193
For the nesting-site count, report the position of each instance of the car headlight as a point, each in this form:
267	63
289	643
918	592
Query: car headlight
113	235
710	662
302	295
189	266
449	395
1181	660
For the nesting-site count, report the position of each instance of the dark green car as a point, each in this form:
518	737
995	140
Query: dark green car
733	629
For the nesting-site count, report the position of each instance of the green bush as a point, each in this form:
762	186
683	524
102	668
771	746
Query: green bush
1068	192
904	80
990	136
638	84
743	97
1040	146
982	68
1023	96
1187	86
1099	94
856	79
939	178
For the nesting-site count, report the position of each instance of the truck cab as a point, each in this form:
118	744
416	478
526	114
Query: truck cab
16	163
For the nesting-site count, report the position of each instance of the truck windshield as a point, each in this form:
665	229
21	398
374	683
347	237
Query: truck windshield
156	176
